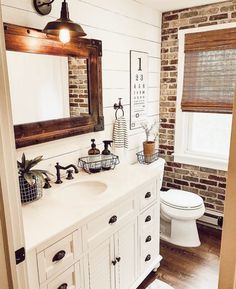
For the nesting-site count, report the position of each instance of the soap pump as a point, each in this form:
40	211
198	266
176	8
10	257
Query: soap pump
94	158
106	155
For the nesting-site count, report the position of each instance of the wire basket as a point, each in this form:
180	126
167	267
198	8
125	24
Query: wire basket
30	193
147	159
94	166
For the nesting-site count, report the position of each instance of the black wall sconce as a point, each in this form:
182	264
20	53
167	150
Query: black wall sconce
63	27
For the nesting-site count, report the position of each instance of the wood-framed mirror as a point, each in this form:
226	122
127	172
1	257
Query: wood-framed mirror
56	89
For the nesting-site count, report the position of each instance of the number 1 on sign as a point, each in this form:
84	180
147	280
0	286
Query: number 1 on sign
139	64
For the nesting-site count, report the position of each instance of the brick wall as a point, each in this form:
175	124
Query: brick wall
208	183
78	86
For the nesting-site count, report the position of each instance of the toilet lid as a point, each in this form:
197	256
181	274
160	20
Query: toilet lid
181	199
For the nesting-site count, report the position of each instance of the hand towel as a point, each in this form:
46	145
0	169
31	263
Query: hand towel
120	133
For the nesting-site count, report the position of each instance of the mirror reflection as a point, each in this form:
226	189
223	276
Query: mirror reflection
46	87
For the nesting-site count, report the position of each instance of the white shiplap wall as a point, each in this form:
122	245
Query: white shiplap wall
122	25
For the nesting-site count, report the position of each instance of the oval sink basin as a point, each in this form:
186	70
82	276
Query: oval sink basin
81	191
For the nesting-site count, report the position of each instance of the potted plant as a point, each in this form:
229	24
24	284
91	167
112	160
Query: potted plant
31	180
149	145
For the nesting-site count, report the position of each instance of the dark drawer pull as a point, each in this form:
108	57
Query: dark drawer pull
118	259
148	239
113	219
59	256
63	286
148	195
148	219
148	258
114	262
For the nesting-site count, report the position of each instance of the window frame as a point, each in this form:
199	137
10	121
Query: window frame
183	119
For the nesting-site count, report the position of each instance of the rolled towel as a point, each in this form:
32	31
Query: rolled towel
120	133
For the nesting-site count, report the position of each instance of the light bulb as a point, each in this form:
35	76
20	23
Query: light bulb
64	36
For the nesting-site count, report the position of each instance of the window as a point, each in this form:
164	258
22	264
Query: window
209	135
206	86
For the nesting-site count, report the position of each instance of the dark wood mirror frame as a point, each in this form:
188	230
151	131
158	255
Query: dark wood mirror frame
19	39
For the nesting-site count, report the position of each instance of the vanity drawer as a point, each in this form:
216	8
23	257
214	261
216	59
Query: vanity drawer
148	257
104	225
149	240
70	279
149	228
147	219
59	256
148	194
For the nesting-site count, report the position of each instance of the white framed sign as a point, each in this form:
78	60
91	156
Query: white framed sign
138	88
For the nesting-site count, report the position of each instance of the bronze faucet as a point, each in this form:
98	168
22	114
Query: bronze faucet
58	168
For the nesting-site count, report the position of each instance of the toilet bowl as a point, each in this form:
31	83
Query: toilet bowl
179	212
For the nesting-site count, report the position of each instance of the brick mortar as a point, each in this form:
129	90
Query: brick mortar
208	183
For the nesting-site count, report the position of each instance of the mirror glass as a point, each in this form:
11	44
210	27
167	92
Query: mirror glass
47	87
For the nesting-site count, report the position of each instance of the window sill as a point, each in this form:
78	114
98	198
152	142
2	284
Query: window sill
217	164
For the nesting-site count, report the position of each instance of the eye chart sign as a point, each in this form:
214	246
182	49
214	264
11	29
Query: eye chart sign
138	88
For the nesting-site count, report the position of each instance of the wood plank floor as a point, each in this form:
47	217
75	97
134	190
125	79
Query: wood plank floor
194	268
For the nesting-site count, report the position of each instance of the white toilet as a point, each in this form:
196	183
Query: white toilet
179	212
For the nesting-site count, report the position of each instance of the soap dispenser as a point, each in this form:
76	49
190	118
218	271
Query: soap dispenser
106	155
94	158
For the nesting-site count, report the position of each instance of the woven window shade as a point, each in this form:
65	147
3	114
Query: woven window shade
210	71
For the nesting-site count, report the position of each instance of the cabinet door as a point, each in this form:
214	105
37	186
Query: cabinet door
126	256
100	267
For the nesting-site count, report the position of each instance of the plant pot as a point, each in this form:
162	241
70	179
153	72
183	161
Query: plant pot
29	193
148	150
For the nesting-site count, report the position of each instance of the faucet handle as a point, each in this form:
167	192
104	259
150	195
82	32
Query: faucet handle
69	176
47	184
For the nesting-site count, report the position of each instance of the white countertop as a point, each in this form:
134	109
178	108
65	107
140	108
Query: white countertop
46	217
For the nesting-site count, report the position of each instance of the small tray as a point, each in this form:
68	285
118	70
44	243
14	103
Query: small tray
147	160
90	167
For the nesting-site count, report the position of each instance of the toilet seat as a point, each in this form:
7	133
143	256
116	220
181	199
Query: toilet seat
181	200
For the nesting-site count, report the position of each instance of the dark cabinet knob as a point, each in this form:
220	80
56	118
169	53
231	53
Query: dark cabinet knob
148	219
118	259
148	195
59	256
148	239
148	258
63	286
114	262
113	219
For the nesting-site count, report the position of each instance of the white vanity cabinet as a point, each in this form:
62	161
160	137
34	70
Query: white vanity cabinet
115	247
132	251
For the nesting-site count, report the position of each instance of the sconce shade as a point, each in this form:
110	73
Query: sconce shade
64	22
54	28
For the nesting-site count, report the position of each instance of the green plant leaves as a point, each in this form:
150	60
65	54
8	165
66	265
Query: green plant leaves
23	159
29	179
25	170
27	165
